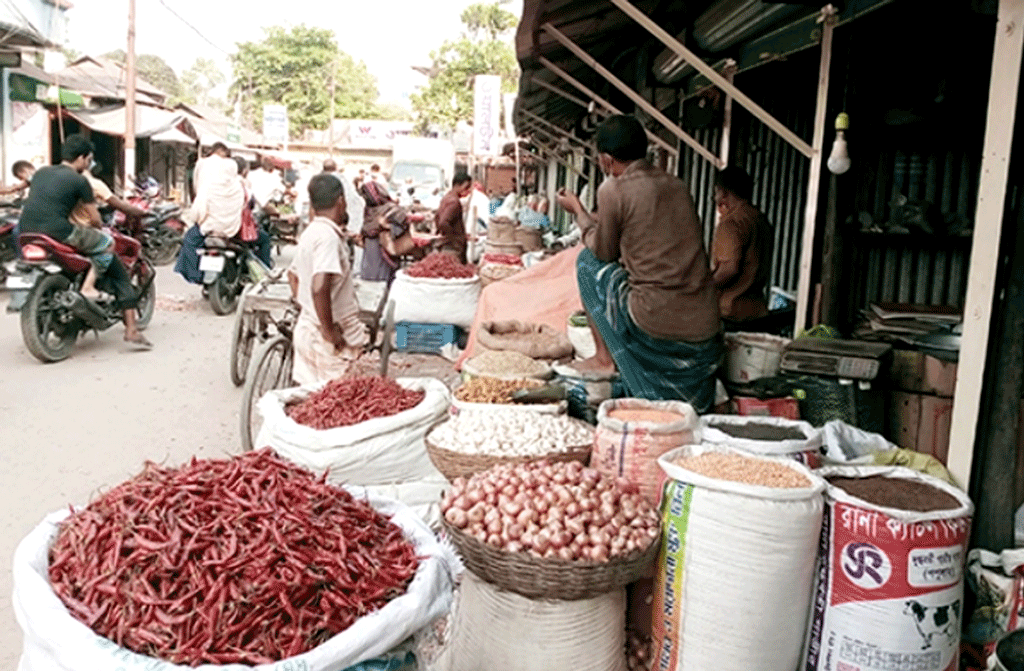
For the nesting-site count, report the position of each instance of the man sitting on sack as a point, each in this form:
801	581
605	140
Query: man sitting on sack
329	335
644	277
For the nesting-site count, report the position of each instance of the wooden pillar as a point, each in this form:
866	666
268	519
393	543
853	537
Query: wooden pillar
988	220
803	293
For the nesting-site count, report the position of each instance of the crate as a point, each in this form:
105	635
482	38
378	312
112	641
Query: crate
424	338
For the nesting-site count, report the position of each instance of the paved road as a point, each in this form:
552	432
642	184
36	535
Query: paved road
70	429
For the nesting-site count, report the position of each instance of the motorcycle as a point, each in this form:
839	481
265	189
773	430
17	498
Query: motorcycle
8	245
227	266
159	232
54	312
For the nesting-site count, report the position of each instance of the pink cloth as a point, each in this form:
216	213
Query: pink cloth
546	293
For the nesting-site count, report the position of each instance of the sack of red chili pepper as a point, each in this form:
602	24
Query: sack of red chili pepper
382	452
430	300
440	266
247	561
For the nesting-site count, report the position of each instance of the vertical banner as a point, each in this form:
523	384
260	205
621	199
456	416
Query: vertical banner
510	106
275	123
486	115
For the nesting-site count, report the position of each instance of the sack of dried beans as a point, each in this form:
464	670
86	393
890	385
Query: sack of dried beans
228	564
385	449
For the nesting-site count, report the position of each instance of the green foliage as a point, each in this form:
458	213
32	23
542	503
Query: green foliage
199	80
293	67
392	112
152	69
448	97
488	18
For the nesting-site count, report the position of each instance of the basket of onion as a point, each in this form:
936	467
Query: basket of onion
551	530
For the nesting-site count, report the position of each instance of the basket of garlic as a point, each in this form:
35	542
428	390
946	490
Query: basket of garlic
552	530
474	441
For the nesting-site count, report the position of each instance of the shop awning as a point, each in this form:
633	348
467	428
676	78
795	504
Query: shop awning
110	120
172	136
29	84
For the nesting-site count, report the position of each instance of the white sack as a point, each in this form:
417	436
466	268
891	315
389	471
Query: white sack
845	443
491	629
56	641
735	571
381	451
425	300
806	450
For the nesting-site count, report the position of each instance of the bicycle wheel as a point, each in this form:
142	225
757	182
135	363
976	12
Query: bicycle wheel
271	368
250	327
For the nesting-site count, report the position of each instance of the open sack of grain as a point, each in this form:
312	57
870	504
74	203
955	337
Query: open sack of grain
733	581
890	576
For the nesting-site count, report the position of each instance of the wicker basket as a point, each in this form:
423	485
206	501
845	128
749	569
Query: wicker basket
529	238
459	465
553	579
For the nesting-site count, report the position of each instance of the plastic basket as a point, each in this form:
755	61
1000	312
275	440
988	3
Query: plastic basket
424	338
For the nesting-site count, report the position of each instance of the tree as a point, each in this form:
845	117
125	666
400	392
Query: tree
490	19
152	69
199	81
293	68
448	97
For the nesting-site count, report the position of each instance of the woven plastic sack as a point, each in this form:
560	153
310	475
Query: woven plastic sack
733	584
387	452
889	582
56	641
630	449
806	450
490	629
425	300
997	581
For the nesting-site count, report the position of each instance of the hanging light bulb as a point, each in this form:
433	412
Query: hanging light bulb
839	159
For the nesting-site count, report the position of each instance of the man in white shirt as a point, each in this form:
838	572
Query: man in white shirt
329	335
266	183
220	196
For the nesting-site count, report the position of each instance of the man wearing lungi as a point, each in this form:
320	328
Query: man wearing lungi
644	276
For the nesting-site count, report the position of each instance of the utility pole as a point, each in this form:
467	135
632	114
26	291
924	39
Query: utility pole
129	101
330	119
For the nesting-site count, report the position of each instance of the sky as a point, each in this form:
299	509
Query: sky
390	36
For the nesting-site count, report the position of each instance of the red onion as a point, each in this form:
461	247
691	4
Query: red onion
557	511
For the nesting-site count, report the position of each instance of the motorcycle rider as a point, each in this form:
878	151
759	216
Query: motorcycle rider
216	210
56	191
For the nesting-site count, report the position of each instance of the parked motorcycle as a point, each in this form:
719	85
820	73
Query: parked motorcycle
159	232
54	311
227	266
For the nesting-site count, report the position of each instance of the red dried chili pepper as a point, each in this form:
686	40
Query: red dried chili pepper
294	570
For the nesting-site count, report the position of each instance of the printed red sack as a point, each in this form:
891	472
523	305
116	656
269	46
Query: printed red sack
890	583
629	447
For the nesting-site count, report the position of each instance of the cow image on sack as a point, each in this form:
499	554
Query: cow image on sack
932	621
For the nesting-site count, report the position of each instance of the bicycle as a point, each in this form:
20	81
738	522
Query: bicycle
271	365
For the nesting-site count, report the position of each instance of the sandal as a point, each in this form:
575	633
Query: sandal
139	344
